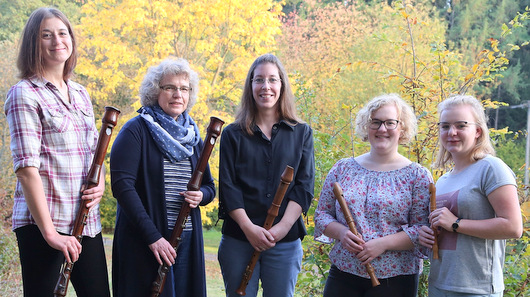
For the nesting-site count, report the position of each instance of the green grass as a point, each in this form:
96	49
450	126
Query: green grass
214	279
10	275
211	241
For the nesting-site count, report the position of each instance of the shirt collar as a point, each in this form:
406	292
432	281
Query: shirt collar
42	82
282	123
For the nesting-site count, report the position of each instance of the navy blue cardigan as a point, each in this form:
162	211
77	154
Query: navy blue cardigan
136	168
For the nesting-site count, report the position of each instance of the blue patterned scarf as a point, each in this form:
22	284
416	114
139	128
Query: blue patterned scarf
175	138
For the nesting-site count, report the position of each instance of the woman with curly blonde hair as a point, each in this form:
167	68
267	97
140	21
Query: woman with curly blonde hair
389	198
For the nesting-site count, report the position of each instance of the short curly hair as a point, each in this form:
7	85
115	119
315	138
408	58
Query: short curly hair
150	87
407	119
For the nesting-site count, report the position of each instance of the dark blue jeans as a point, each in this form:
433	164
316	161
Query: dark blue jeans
340	283
182	268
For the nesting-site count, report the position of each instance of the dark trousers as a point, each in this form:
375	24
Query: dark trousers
41	265
340	283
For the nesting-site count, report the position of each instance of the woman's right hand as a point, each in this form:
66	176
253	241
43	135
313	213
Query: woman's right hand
67	244
426	236
350	241
163	250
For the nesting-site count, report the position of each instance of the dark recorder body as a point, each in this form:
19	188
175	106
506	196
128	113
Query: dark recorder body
110	118
213	131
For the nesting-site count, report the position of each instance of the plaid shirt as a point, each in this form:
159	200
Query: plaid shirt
57	137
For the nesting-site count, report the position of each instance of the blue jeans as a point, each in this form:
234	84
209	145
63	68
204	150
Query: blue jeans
435	292
277	267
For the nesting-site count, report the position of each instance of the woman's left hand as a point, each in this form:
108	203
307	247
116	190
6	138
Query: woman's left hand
442	218
279	231
371	250
94	194
194	198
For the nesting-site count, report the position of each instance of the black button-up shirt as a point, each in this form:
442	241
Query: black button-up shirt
250	168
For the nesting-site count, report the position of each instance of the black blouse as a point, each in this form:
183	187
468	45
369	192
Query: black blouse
250	168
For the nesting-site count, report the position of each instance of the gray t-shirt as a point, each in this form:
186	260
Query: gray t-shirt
470	264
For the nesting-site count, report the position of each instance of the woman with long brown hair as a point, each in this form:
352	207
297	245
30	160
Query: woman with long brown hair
53	140
266	136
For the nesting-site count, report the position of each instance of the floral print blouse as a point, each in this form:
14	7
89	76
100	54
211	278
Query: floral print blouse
382	203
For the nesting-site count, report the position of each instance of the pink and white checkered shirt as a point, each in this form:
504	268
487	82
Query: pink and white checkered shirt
57	137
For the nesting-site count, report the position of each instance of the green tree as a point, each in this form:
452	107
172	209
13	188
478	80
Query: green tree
470	26
406	50
14	14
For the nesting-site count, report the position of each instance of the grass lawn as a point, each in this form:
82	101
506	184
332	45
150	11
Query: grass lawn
211	241
214	279
10	284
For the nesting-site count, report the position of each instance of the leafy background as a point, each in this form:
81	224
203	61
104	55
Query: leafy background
339	54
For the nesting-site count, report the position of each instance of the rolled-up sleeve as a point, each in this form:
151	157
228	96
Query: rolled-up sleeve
22	113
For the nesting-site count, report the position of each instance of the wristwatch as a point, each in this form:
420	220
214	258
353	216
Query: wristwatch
455	224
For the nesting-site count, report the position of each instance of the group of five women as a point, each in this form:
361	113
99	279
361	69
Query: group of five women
53	138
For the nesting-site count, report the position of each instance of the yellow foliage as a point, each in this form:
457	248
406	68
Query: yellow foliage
525	208
219	38
120	39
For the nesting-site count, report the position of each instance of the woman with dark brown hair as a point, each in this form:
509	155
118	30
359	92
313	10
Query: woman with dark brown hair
266	136
53	140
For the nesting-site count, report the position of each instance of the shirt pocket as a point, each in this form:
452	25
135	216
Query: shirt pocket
87	112
56	120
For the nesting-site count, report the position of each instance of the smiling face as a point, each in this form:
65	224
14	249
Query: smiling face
459	140
384	140
174	101
266	94
55	42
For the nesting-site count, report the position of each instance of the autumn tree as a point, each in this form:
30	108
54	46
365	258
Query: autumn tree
220	39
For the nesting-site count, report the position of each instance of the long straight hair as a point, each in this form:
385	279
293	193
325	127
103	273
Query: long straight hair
248	110
30	61
483	146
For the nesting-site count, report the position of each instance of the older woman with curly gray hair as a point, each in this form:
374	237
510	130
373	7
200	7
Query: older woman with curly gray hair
151	162
389	197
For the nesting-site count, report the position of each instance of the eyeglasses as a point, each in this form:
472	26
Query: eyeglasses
389	124
272	80
459	125
173	89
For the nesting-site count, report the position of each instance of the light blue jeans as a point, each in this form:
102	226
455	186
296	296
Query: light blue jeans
277	267
435	292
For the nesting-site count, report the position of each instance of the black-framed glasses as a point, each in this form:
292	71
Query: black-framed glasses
173	89
389	124
458	125
272	80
